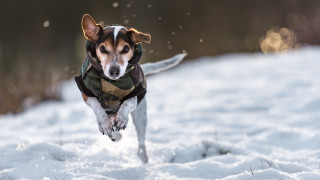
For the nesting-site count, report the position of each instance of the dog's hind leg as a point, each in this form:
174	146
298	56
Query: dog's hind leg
139	116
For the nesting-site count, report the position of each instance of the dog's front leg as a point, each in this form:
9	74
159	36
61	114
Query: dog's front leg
104	122
126	108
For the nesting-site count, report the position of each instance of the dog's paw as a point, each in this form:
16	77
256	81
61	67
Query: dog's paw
106	128
120	122
142	154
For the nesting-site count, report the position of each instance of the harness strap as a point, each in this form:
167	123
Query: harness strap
93	62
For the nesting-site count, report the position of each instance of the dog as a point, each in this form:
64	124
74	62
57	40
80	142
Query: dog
112	81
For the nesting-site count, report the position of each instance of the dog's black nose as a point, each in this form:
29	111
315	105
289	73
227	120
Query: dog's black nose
114	71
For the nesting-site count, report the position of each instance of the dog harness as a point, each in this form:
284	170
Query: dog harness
111	93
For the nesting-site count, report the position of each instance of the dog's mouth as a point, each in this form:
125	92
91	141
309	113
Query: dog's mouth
114	78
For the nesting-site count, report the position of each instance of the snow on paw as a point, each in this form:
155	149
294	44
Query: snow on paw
116	135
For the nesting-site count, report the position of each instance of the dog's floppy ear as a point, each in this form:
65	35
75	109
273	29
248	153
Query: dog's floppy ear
138	37
90	28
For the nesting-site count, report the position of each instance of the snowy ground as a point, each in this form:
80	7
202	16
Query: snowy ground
237	116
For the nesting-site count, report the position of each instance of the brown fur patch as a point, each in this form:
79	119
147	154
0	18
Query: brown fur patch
107	31
126	56
84	97
114	52
90	28
138	37
106	58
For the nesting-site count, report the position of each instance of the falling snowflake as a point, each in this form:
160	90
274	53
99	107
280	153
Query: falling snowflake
115	4
201	40
46	23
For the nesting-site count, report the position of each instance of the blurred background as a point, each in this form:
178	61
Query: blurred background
42	44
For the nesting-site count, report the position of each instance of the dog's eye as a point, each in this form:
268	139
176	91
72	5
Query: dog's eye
125	49
103	50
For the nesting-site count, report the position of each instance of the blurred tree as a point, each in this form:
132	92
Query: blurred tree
41	42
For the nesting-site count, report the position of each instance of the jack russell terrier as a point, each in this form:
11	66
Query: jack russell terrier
113	83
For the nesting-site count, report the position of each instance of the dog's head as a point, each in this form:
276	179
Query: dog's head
114	45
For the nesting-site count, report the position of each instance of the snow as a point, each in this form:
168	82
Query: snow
237	116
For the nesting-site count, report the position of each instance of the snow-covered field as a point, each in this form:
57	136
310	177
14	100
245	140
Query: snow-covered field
239	116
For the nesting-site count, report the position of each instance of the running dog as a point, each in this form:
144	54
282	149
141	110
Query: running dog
111	80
